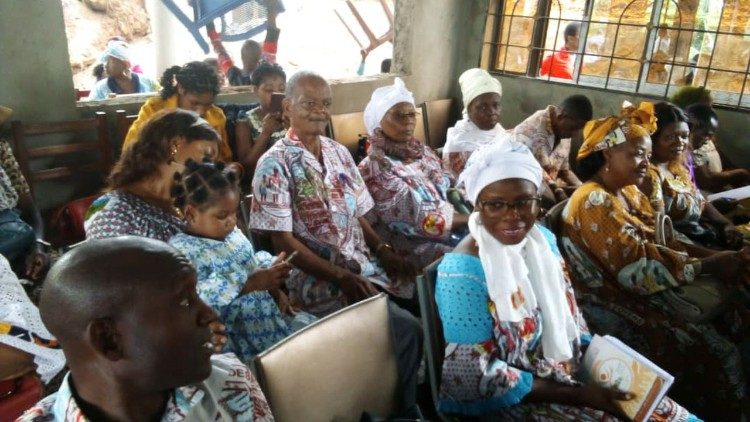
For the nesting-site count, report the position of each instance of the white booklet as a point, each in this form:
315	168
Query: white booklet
738	194
611	363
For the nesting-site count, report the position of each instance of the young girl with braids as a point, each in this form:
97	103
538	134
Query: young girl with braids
242	285
193	87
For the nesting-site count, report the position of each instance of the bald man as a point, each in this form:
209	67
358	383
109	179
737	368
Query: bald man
137	340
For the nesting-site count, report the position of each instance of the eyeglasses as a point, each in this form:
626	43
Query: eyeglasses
498	207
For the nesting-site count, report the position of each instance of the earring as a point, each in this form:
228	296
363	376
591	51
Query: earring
172	153
606	169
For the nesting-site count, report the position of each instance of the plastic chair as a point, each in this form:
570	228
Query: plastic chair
205	11
335	368
432	328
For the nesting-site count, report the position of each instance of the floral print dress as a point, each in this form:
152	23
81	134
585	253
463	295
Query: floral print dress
120	213
320	202
411	210
253	320
490	365
618	272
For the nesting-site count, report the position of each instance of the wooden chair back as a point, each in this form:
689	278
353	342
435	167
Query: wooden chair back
347	129
25	153
437	120
124	120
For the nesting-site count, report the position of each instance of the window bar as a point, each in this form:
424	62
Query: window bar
542	52
495	30
744	83
676	46
541	24
507	40
614	45
584	33
648	49
716	42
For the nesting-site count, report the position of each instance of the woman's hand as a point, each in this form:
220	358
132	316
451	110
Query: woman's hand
270	278
37	263
218	335
356	288
271	123
601	398
732	236
283	302
395	265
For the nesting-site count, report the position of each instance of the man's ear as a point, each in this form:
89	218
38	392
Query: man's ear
105	338
286	105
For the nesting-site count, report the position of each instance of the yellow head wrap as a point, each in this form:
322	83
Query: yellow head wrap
607	132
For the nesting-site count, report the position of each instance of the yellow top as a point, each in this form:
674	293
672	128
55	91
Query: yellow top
214	116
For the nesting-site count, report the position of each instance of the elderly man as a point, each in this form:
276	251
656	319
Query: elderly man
309	194
138	341
120	78
547	133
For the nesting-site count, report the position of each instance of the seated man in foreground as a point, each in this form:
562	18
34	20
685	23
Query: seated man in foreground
309	194
137	340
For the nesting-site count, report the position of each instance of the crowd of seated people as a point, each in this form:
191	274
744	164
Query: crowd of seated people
517	312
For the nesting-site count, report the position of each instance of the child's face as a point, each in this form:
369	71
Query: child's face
215	221
265	90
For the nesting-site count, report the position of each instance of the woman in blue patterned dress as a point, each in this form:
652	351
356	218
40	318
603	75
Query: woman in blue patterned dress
512	327
243	286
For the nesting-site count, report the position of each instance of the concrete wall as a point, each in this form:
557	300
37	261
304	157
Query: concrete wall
35	77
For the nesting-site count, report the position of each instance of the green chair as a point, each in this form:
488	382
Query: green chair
432	328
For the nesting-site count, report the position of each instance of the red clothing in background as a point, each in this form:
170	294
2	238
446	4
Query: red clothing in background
558	65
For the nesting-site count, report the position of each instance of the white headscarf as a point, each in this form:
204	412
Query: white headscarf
502	159
475	82
382	100
117	49
526	276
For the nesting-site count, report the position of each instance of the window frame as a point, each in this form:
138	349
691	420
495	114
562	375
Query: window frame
543	20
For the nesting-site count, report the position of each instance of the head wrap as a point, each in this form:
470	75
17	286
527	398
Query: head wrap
117	49
503	159
610	131
382	100
475	82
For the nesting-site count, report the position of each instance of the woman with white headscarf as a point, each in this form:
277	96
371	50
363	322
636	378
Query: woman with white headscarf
480	125
407	180
512	328
120	77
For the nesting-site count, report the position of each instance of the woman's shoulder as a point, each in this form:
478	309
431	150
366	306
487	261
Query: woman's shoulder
590	193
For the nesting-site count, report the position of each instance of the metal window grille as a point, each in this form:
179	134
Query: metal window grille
648	47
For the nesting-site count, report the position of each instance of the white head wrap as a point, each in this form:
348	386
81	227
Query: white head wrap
382	100
475	82
117	49
527	276
502	159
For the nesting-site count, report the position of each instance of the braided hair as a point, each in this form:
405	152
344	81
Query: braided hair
194	78
201	183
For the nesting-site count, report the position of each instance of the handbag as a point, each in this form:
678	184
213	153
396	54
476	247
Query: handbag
67	221
16	236
699	301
